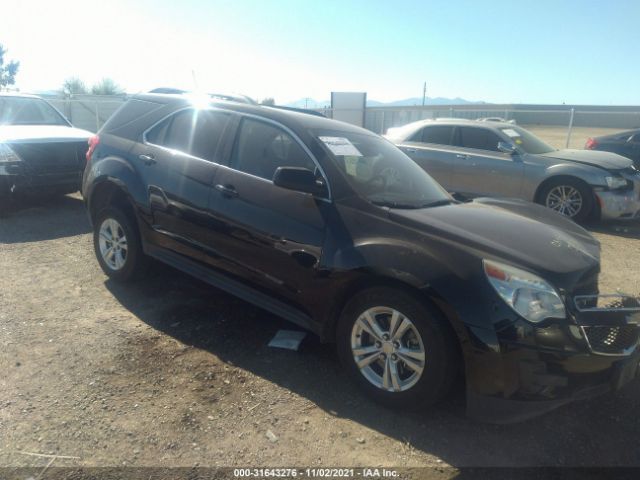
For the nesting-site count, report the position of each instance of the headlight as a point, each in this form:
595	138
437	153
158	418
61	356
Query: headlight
529	295
7	155
615	182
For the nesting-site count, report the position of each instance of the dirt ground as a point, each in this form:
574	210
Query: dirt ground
557	136
172	372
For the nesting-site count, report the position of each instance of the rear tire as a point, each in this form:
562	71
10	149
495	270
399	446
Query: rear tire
117	245
569	197
409	341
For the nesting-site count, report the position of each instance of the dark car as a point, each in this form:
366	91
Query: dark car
626	144
40	151
336	230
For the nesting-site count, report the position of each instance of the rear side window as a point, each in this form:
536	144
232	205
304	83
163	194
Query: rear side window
195	132
261	148
478	138
438	134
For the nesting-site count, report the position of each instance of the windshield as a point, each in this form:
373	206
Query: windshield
526	140
28	111
380	172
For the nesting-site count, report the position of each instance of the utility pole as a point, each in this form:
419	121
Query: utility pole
424	93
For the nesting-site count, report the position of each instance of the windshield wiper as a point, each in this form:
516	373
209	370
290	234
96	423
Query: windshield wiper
438	203
391	204
386	203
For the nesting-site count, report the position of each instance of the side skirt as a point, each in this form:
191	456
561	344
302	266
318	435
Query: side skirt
233	287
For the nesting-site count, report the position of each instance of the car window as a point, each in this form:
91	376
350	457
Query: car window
28	111
379	172
261	148
478	138
437	134
525	140
636	138
195	132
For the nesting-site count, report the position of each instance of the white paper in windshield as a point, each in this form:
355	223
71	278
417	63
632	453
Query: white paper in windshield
511	132
341	146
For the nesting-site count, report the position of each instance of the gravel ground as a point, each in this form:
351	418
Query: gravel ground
556	136
172	372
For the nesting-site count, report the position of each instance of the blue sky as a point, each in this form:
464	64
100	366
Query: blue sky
542	51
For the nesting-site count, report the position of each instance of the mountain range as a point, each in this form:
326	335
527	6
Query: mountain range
312	103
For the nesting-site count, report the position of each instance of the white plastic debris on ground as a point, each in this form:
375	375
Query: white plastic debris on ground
289	339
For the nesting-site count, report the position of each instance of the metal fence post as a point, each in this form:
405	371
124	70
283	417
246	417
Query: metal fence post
97	118
570	128
382	124
451	112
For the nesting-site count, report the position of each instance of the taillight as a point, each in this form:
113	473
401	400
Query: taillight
591	144
93	143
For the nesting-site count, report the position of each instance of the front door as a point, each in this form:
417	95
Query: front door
481	169
267	236
431	149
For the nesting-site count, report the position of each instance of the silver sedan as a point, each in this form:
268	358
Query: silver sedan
504	160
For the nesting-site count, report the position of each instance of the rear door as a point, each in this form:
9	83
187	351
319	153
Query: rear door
178	160
480	168
431	148
267	236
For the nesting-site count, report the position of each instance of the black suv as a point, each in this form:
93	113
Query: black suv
336	230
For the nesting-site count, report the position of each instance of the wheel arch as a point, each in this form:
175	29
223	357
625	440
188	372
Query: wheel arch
111	192
537	197
371	278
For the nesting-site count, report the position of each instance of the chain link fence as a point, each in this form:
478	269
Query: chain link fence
380	119
89	112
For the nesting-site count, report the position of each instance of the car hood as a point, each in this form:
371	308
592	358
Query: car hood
41	133
514	231
596	158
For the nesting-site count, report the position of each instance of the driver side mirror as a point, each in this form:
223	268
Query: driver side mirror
507	147
299	179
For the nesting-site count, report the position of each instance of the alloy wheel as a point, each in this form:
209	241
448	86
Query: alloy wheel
387	349
565	199
113	244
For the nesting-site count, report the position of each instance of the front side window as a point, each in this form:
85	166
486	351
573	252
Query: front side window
195	132
28	111
261	148
379	172
478	138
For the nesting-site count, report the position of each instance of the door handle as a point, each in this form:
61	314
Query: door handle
459	155
147	159
410	150
228	191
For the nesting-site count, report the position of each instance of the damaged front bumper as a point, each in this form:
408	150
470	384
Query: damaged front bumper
530	370
620	204
15	181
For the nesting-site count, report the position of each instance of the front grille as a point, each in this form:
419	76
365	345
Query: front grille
612	340
52	157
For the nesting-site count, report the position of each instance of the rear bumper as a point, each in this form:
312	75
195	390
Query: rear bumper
527	370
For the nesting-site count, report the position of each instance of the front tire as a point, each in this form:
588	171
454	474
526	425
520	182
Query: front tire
397	349
117	245
569	197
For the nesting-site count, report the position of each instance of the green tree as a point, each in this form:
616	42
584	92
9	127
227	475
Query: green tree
106	86
268	101
7	72
74	86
